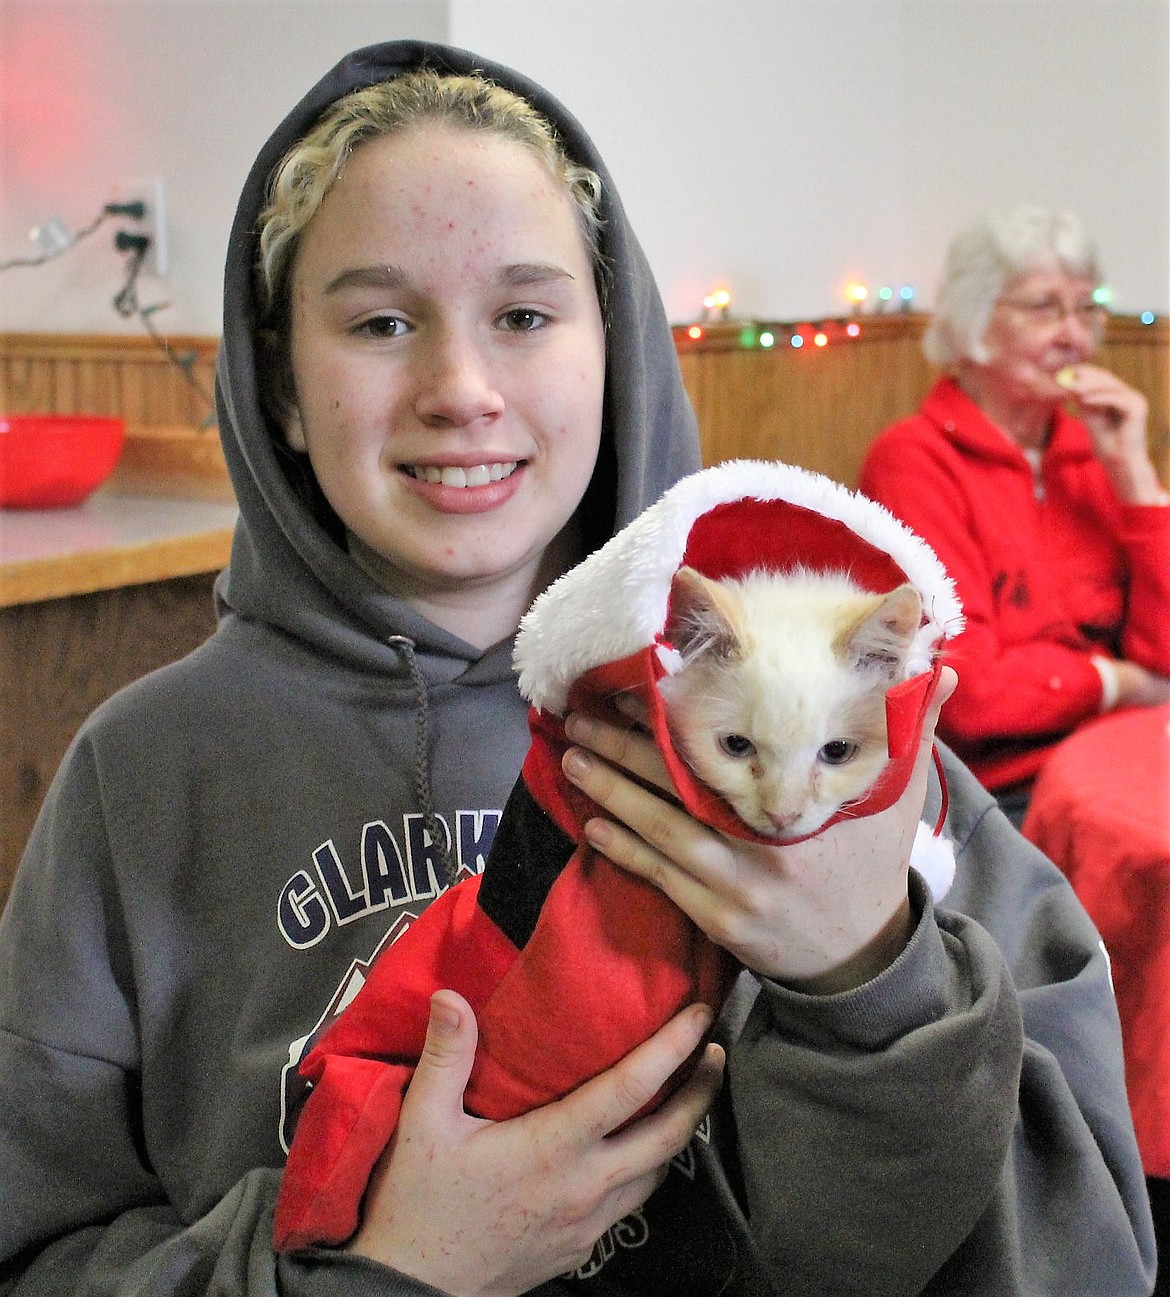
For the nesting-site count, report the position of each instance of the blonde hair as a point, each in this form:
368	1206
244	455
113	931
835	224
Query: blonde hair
309	169
1002	245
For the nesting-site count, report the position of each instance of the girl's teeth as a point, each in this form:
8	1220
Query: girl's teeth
478	475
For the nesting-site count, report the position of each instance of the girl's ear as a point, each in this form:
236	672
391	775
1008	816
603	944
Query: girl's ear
277	389
294	429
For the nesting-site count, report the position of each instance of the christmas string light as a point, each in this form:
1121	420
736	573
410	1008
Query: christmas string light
717	304
717	327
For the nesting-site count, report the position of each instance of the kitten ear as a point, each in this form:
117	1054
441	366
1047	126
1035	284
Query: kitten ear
702	618
881	637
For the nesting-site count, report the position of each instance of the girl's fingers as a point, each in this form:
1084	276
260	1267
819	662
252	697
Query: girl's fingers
663	824
605	1103
632	749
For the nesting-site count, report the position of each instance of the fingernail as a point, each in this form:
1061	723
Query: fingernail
443	1015
598	834
579	727
576	764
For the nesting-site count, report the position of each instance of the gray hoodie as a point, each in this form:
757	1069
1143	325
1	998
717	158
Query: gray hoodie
230	841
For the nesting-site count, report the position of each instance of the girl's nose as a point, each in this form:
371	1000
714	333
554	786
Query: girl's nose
456	386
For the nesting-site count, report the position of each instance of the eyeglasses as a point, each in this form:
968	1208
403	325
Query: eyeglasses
1047	312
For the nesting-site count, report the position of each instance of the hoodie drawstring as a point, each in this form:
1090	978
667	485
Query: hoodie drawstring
422	761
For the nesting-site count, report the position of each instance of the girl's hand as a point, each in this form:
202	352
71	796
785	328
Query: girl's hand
480	1207
823	915
1115	415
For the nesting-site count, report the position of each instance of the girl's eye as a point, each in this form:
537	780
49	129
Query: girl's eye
737	745
523	319
383	326
837	751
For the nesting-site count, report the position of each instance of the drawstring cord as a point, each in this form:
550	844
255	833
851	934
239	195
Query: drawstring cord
422	761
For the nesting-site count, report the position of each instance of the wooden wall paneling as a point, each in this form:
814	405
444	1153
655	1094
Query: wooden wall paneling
821	407
1140	354
818	407
129	376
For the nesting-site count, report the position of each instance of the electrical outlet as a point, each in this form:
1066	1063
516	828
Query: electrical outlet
151	194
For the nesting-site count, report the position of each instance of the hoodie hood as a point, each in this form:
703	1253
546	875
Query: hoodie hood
287	567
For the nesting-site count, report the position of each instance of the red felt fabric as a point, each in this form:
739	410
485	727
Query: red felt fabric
361	1066
1101	810
742	535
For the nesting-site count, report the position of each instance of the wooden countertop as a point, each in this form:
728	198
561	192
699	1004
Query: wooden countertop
110	540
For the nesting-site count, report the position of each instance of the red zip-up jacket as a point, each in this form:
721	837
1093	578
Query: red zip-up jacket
1051	570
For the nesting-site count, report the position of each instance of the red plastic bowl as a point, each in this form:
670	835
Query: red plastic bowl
51	460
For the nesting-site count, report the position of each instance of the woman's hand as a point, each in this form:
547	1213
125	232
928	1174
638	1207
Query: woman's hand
1137	687
480	1207
1115	415
822	915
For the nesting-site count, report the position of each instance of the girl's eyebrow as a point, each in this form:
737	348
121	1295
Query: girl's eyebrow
513	276
535	272
368	277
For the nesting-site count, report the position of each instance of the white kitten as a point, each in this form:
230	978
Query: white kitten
780	702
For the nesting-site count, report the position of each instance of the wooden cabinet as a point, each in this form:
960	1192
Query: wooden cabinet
91	598
60	658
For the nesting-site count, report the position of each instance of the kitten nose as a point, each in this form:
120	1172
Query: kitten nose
782	822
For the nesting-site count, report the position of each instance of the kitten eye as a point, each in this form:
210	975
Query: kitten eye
837	751
736	745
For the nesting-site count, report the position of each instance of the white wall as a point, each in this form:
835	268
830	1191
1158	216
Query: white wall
780	146
791	145
1062	102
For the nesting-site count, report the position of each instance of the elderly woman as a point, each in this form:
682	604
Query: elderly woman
1027	470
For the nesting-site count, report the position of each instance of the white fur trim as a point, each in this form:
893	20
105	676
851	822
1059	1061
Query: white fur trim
614	603
934	858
